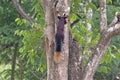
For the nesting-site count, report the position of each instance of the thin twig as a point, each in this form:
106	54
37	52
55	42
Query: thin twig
6	46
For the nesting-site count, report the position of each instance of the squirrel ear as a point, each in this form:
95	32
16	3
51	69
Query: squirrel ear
65	16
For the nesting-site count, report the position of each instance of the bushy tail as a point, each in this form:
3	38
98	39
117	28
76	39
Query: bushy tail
57	57
57	54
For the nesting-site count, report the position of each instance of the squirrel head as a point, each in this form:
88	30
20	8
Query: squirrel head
63	19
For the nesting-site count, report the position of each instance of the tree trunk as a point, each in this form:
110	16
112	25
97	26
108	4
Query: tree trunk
55	71
75	70
14	61
21	66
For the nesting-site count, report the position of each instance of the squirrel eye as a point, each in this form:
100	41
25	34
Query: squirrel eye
59	17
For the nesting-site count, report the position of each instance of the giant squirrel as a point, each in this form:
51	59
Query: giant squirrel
59	38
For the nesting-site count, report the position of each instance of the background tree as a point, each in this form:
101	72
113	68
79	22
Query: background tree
12	24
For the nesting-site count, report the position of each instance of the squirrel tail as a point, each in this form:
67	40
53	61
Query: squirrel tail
57	54
57	57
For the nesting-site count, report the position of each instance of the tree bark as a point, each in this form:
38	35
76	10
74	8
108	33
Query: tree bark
105	37
55	71
14	61
49	39
75	70
21	66
103	17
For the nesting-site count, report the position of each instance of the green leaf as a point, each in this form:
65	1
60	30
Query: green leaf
91	5
109	1
21	50
103	69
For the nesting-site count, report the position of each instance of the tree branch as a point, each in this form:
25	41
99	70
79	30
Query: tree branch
105	38
21	12
74	22
114	28
113	22
103	18
6	46
100	49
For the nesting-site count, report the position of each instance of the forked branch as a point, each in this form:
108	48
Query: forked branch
106	35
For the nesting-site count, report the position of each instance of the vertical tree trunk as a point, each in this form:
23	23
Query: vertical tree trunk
55	71
75	71
62	68
14	61
21	72
49	40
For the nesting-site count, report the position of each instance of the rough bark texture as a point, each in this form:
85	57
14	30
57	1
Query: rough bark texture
103	17
75	70
49	39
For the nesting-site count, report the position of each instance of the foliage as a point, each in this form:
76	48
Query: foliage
15	29
32	50
109	66
7	28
